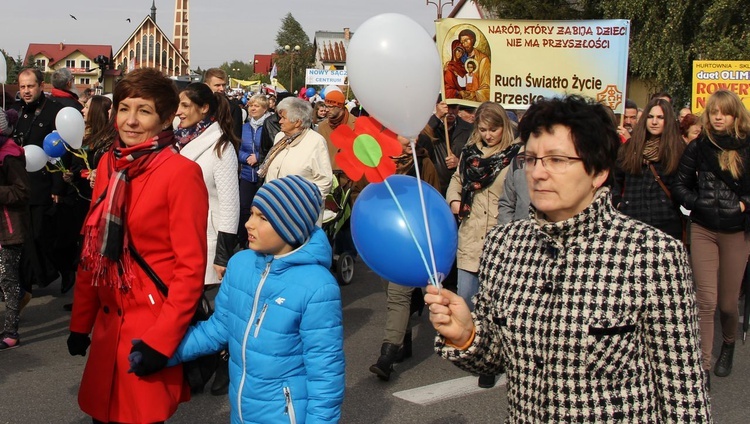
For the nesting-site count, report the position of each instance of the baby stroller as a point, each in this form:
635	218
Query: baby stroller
336	215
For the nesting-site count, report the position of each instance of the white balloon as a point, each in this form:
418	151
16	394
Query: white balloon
402	101
69	124
3	69
244	115
35	157
176	122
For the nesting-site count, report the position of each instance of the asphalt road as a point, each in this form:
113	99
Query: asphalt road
39	380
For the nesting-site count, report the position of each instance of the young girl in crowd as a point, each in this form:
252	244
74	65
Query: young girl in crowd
14	198
713	183
278	312
646	168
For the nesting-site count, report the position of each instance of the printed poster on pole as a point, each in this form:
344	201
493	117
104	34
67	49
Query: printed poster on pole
515	62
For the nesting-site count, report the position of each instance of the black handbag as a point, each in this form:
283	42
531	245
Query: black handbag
198	371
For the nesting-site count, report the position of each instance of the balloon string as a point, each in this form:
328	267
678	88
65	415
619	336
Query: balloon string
434	277
408	227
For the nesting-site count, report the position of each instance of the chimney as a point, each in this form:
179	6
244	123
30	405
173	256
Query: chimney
62	46
347	34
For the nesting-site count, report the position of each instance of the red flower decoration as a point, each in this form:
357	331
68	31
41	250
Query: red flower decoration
367	150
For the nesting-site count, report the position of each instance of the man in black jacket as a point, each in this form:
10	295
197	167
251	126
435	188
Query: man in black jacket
36	119
458	134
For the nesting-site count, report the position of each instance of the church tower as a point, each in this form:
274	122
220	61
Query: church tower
181	37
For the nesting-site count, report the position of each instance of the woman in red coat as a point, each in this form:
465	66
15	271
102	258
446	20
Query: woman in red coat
149	198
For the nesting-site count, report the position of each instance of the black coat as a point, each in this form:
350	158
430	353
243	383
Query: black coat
713	204
31	129
641	197
458	134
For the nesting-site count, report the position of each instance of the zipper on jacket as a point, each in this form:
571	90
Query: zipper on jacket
259	321
245	337
7	218
289	409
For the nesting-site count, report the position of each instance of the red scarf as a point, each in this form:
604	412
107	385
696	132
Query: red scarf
105	245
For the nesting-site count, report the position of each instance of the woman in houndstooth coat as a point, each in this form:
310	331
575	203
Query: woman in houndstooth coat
591	313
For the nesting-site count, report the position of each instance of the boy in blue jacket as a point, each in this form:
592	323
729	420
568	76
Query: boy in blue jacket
278	311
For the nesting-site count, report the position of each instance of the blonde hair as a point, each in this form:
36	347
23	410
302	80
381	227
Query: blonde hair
728	103
495	116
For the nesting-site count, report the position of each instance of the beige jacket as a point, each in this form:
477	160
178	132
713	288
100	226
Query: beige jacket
483	215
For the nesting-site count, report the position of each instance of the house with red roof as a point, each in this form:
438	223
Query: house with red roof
78	58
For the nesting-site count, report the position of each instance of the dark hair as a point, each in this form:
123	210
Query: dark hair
629	104
468	33
661	94
671	146
218	107
101	127
36	72
688	121
593	134
148	83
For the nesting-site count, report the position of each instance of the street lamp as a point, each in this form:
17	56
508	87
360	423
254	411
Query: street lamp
291	51
439	4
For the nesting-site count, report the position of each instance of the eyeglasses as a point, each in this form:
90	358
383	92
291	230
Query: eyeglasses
555	164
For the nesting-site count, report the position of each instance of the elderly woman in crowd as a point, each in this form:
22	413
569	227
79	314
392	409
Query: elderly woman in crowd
148	201
591	313
297	149
250	157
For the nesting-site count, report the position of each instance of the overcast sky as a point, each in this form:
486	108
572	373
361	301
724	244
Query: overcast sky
220	30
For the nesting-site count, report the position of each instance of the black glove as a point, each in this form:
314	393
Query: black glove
144	360
78	343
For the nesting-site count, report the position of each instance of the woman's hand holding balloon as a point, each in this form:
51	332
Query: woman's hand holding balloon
449	315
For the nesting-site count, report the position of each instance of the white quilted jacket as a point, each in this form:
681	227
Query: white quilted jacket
221	178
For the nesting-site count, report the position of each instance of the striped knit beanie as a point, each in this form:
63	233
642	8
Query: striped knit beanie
292	205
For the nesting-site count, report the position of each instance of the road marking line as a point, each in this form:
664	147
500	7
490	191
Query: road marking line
437	392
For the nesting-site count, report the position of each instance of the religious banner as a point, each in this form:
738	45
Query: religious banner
515	62
325	77
712	75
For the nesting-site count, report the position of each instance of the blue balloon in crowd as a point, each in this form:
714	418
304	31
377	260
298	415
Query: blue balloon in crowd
310	92
384	242
53	145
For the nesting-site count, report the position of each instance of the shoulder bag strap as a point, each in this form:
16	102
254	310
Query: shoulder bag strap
163	289
657	177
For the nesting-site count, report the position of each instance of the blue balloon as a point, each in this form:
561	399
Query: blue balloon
53	145
310	92
382	233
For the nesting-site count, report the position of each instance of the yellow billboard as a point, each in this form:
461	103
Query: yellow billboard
712	75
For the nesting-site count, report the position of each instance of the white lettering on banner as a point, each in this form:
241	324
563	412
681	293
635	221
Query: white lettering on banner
325	77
